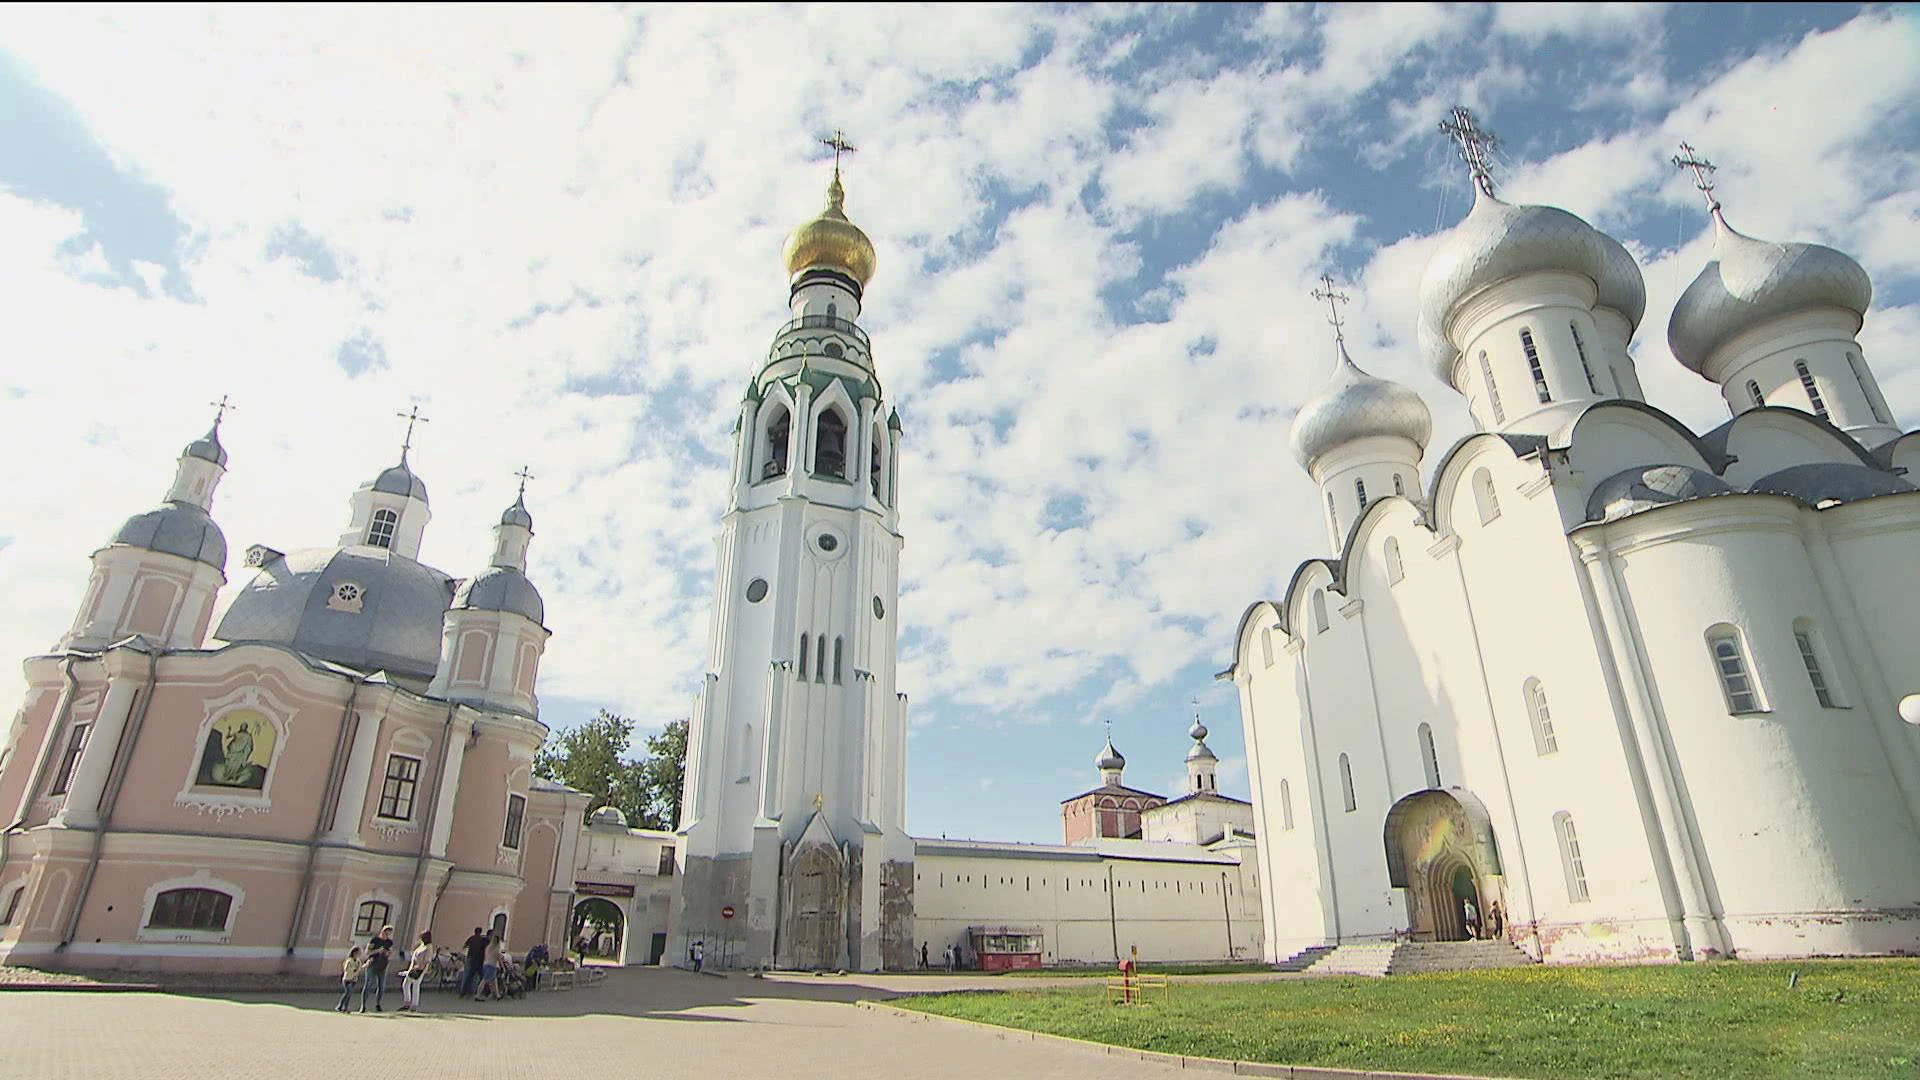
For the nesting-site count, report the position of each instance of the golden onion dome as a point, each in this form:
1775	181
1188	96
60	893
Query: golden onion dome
831	240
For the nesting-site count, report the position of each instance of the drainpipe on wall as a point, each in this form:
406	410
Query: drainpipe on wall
329	802
427	828
38	777
1228	909
1113	917
116	779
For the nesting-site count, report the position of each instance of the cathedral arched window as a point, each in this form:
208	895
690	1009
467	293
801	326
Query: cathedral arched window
1571	862
833	309
1580	349
837	643
779	432
1346	784
874	461
380	531
1754	394
1876	403
1396	570
1266	645
1540	717
1360	490
803	657
1399	485
1429	757
1493	392
830	444
1333	514
1813	388
1485	499
1728	648
1319	609
1809	643
820	658
1533	365
1286	806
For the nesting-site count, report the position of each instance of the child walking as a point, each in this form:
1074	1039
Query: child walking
349	978
418	964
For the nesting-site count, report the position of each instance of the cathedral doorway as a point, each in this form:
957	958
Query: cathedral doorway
1440	849
814	889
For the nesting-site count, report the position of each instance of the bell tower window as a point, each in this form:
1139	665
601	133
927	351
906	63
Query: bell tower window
1813	389
873	464
380	532
1753	392
779	433
1533	365
830	445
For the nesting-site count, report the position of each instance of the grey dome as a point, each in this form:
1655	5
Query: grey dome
1825	483
1201	752
399	480
1198	731
1750	281
391	621
207	448
1110	758
176	528
1498	241
501	588
608	817
1644	487
1356	405
516	514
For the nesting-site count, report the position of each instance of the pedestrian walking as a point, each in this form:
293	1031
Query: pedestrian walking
923	956
476	945
379	953
699	951
349	978
419	962
490	964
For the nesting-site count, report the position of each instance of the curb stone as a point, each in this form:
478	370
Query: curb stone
1176	1061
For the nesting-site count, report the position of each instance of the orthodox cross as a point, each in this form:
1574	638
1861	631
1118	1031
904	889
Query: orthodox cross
1700	167
412	417
220	409
524	476
1477	146
1333	300
840	146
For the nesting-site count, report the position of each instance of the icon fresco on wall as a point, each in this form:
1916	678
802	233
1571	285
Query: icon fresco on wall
238	751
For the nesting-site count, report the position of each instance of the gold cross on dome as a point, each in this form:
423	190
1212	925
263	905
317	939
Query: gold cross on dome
1333	299
220	410
840	146
412	417
1477	146
524	476
1701	168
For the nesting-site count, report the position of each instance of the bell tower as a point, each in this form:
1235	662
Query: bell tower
793	848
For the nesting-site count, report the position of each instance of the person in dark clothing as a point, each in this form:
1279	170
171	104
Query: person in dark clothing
379	952
476	961
923	956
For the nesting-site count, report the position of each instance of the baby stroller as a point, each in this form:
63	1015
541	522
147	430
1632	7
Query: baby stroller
513	979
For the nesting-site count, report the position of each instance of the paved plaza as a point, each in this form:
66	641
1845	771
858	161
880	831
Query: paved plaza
638	1023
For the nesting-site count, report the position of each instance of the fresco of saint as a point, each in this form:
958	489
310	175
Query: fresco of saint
238	750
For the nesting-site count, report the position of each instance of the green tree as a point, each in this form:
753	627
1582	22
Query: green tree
593	758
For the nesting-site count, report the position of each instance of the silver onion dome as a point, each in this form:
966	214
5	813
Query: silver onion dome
1497	241
1749	282
176	528
207	448
501	588
517	515
1110	758
400	480
363	607
1356	405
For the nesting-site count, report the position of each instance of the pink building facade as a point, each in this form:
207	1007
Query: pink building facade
250	777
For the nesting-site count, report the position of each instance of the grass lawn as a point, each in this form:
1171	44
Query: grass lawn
1104	970
1852	1019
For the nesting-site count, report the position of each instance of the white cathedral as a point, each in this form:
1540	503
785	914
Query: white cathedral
1604	687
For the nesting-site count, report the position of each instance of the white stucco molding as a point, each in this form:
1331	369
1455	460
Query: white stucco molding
223	803
199	879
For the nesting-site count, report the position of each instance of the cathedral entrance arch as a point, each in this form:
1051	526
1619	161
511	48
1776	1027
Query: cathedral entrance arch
600	930
815	886
1441	850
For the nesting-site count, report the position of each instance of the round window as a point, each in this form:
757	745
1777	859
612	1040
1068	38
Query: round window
879	609
834	350
756	590
828	542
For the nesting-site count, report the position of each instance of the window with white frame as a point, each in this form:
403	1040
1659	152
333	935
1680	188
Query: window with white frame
1485	499
1286	806
371	916
1333	515
1729	651
1346	784
1808	641
1540	717
1429	757
837	643
398	788
190	909
516	819
1754	394
1319	609
830	444
1580	349
803	656
380	531
1812	388
70	760
1570	859
779	433
1399	485
1533	365
1396	570
1360	490
1493	391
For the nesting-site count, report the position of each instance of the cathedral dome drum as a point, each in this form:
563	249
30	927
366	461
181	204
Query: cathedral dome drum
1750	282
831	241
177	528
1356	405
1498	241
501	588
362	607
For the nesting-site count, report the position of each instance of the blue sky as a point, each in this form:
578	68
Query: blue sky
558	231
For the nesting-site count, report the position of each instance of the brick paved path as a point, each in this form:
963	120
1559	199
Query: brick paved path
639	1023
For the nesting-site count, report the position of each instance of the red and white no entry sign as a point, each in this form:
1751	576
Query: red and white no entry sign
727	912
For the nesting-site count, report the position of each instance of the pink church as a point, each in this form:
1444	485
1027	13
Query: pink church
249	777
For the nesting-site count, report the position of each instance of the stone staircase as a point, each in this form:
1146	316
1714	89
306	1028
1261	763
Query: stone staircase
1377	958
1304	959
